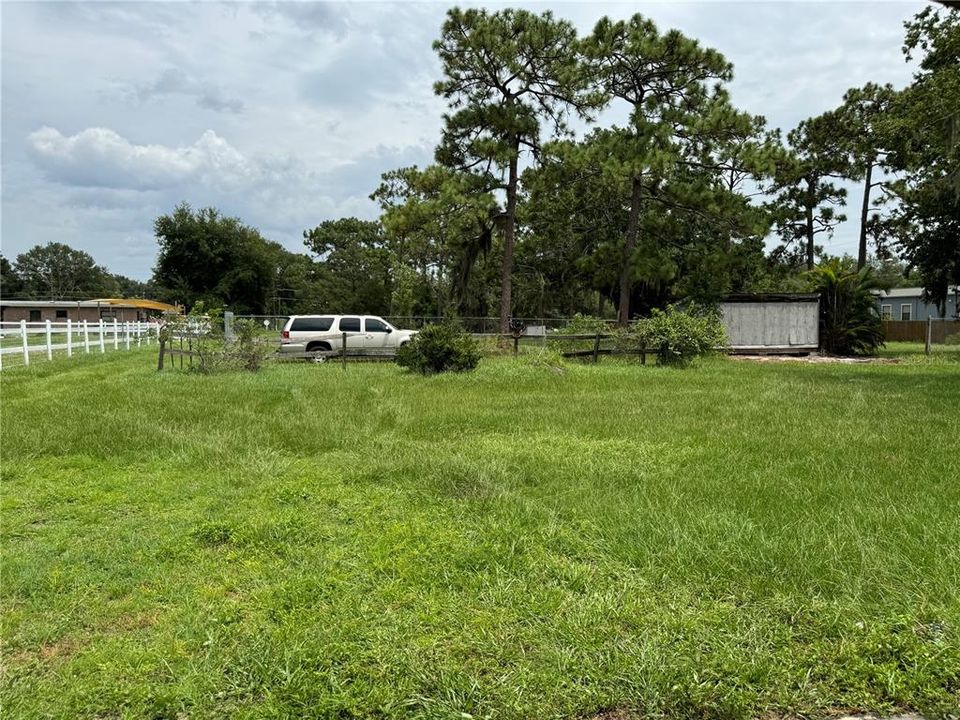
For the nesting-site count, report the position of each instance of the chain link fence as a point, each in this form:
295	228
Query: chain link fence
479	325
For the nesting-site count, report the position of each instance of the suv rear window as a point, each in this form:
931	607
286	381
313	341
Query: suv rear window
312	324
350	324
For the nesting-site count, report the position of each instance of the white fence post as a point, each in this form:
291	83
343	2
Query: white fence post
69	338
49	342
126	333
23	337
116	335
139	332
102	348
86	337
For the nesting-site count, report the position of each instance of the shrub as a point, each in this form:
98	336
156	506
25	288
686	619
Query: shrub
581	324
439	348
678	336
246	351
201	331
952	339
849	321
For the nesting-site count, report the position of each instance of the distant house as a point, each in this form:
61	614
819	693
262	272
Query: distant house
109	309
908	304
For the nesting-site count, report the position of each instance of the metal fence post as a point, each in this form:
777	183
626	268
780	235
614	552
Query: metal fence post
49	342
139	333
343	350
69	337
23	338
86	336
103	348
596	349
926	348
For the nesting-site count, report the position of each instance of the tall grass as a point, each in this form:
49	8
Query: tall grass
528	540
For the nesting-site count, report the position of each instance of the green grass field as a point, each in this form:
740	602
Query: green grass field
735	540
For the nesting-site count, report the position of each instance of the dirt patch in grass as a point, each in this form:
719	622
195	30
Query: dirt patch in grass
817	359
48	652
614	714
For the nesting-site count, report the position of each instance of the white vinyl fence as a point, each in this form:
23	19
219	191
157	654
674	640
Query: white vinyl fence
25	339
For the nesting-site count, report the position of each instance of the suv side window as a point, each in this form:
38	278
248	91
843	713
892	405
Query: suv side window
350	324
312	324
375	326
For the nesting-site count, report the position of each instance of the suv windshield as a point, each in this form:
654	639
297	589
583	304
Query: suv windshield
312	324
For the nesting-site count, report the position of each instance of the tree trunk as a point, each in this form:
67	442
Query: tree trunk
809	218
864	210
629	245
441	305
506	277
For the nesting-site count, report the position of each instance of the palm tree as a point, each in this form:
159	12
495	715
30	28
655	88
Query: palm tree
849	320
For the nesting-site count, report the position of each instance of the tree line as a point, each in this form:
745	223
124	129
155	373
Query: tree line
56	271
519	216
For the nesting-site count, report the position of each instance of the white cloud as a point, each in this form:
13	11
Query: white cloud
100	157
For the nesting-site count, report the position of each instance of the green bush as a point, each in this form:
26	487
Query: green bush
440	348
246	351
952	339
581	324
202	332
678	336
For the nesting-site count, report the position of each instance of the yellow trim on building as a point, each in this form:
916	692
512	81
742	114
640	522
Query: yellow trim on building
138	303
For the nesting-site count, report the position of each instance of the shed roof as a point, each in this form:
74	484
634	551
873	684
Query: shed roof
771	297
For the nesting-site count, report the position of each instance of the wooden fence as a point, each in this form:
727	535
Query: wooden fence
594	352
182	347
185	346
916	330
72	336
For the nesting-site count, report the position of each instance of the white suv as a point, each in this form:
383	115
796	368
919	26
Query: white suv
313	333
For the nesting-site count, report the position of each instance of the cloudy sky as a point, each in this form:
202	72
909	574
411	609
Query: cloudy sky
285	114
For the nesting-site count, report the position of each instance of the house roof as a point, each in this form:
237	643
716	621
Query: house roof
908	292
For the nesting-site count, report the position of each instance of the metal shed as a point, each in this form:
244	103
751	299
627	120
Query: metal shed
772	323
